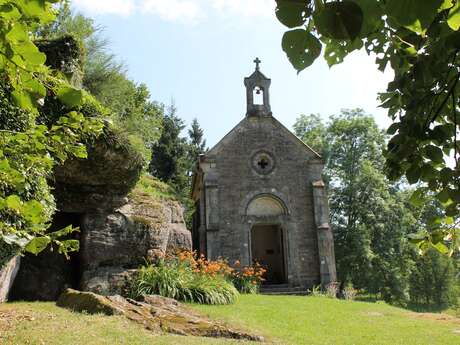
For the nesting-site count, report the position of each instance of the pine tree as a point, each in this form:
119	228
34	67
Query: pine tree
169	153
196	145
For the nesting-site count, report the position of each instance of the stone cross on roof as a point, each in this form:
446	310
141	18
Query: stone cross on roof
257	62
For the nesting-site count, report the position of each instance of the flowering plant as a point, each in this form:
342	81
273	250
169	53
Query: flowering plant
246	279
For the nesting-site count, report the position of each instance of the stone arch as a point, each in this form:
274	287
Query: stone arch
266	205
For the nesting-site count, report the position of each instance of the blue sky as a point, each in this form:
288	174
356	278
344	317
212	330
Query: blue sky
198	52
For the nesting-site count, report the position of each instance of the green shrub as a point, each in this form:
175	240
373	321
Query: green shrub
432	282
207	289
176	279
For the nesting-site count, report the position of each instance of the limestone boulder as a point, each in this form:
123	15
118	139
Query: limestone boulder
7	275
108	280
137	231
155	313
100	182
114	244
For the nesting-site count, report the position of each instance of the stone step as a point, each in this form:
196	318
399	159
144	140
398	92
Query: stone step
285	293
282	289
274	286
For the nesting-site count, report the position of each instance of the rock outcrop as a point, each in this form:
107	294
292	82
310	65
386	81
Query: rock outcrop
155	313
142	230
119	230
7	275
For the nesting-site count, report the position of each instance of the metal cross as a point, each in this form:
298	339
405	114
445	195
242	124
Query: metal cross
257	62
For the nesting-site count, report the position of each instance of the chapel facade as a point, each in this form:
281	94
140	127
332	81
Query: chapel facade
259	198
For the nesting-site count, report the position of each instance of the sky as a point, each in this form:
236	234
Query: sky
197	53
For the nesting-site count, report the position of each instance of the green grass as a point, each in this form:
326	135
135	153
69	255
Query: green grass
149	186
319	320
281	319
42	323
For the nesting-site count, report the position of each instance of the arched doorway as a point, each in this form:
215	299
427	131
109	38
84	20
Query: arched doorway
267	236
267	248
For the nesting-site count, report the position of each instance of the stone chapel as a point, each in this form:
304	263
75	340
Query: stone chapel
260	198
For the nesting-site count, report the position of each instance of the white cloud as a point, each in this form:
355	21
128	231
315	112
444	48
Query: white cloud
247	8
173	10
118	7
179	10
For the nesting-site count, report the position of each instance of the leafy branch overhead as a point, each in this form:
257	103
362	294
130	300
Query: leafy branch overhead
420	41
29	148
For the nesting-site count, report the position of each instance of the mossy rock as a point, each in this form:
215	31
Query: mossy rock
86	302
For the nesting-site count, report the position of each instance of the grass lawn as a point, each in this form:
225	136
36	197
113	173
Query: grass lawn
281	319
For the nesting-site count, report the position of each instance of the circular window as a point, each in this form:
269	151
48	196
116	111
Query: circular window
263	162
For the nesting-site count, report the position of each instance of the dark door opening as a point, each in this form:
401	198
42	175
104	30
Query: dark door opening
45	276
267	249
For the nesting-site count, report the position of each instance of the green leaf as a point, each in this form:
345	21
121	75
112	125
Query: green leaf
63	232
33	211
441	247
337	50
434	153
453	19
417	198
339	20
37	245
68	246
301	47
372	16
18	33
9	12
69	96
393	128
446	175
30	53
443	196
23	100
413	174
454	194
415	15
292	13
13	202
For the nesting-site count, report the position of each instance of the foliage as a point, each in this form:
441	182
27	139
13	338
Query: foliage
168	155
104	77
181	278
369	216
433	281
419	40
28	148
196	145
312	131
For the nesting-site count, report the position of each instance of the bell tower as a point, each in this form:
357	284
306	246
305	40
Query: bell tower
257	93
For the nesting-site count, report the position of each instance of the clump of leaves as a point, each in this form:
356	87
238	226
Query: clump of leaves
419	40
29	149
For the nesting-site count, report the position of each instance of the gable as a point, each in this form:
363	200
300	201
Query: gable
233	134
